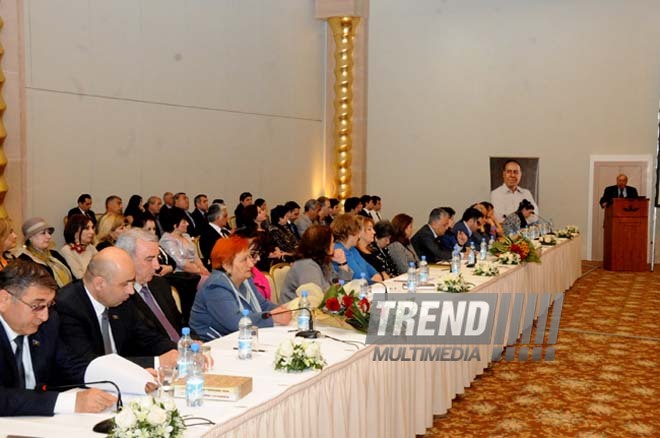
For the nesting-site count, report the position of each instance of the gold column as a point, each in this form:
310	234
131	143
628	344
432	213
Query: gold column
343	30
3	136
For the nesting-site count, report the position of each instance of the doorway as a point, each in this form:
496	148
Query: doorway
603	172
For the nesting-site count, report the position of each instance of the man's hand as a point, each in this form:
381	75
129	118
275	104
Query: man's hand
281	318
94	400
462	238
150	387
168	359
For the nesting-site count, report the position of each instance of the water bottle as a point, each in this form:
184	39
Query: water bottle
491	242
472	255
412	278
245	336
456	260
423	270
483	249
303	314
195	380
364	286
183	346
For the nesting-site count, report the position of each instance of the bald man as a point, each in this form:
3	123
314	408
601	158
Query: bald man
620	190
97	318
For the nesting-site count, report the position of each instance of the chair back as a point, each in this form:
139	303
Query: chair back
232	222
177	298
274	297
278	273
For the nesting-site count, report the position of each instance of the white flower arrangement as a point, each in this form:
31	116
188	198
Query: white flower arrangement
509	258
573	229
548	239
454	283
298	355
146	417
568	232
486	269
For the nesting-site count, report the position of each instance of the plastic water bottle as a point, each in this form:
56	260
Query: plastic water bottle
423	270
183	346
364	286
412	278
245	336
195	380
483	250
472	256
491	242
456	260
304	313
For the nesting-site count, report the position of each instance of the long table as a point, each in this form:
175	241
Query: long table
354	396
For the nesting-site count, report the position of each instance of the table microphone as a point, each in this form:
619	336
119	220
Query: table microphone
105	426
309	334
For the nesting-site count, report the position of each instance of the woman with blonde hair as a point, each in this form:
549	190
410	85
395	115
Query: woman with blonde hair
38	236
109	228
346	230
7	240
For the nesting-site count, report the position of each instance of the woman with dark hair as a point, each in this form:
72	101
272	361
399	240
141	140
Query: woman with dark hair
517	220
378	255
370	251
315	255
38	236
400	248
7	241
178	245
280	233
78	234
134	209
228	291
269	252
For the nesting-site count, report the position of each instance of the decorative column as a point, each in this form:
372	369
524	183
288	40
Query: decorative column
343	30
3	136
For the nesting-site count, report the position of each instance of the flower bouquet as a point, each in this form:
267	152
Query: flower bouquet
548	239
486	269
146	417
298	355
509	258
347	306
568	232
454	283
518	245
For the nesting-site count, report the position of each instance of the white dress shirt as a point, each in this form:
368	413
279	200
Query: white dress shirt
98	310
505	201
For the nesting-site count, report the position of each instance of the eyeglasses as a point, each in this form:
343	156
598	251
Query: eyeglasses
36	308
254	255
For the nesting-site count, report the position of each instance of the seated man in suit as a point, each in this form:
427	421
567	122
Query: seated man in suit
620	190
367	206
309	217
32	354
84	207
215	229
469	225
352	205
426	240
97	317
181	201
200	212
153	295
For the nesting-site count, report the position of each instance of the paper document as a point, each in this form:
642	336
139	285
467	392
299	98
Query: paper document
130	377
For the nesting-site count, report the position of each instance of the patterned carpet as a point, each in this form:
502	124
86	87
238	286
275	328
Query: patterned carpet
602	383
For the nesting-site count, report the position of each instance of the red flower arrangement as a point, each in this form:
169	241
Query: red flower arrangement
347	305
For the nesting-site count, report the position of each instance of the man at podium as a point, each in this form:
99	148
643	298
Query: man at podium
620	190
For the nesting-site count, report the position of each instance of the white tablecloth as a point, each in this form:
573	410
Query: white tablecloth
353	396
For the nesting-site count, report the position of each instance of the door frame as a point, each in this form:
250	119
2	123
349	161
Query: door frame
592	164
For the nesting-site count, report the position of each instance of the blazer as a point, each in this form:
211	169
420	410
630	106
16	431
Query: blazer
135	339
200	219
90	214
162	292
207	240
52	364
474	237
612	192
425	244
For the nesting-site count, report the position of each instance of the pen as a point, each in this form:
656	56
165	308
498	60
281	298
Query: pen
258	351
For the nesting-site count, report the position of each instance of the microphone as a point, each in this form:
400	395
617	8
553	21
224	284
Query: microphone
105	426
309	334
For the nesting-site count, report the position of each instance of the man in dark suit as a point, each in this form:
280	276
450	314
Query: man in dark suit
469	225
152	211
426	240
200	212
84	207
97	317
31	354
620	190
215	229
182	202
153	295
367	206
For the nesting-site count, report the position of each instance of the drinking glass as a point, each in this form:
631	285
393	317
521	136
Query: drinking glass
254	334
166	377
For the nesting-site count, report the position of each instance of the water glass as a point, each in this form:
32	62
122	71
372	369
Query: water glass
254	334
166	377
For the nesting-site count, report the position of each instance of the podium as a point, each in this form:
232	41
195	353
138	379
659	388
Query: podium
626	235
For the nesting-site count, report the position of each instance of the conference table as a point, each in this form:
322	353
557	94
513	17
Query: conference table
354	395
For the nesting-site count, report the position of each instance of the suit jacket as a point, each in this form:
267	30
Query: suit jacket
135	339
162	292
207	239
90	214
474	237
200	219
425	244
52	364
364	213
612	192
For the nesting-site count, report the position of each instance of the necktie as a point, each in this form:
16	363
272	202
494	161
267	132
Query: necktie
156	310
18	355
105	332
620	193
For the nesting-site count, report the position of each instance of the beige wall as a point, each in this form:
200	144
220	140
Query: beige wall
452	83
